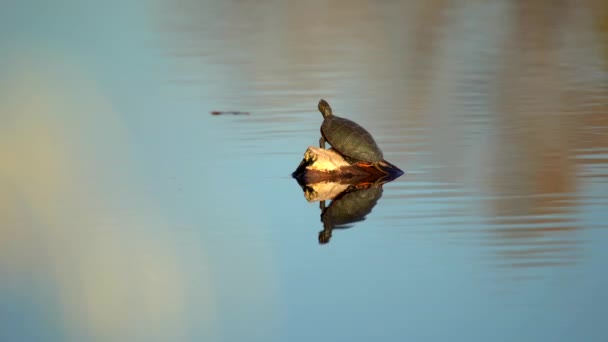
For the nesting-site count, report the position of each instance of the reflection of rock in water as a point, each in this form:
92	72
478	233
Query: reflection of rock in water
350	206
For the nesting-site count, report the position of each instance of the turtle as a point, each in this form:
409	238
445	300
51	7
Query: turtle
349	139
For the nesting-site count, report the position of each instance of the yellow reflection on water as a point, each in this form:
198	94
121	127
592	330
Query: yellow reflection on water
64	152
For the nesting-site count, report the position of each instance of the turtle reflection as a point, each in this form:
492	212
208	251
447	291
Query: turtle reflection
351	173
350	206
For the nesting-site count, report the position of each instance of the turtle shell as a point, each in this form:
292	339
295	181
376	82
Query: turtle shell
350	139
350	207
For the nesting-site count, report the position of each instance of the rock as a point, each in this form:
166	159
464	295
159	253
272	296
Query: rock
324	160
321	165
324	191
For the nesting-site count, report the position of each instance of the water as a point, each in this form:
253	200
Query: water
129	213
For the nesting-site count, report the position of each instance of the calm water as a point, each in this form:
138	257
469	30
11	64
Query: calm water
129	213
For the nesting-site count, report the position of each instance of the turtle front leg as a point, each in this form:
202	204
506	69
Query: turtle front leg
322	142
325	234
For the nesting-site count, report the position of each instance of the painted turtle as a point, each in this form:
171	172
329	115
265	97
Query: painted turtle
349	139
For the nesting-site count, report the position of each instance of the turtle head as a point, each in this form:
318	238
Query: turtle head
324	108
324	237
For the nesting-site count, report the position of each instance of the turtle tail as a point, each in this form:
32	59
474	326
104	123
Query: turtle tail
390	168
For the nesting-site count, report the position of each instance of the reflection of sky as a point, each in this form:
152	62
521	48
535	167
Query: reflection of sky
122	219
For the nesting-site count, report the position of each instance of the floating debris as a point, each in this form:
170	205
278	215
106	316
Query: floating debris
233	113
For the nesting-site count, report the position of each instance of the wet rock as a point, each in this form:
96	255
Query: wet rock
321	165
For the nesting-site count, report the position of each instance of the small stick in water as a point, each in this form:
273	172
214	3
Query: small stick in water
233	113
